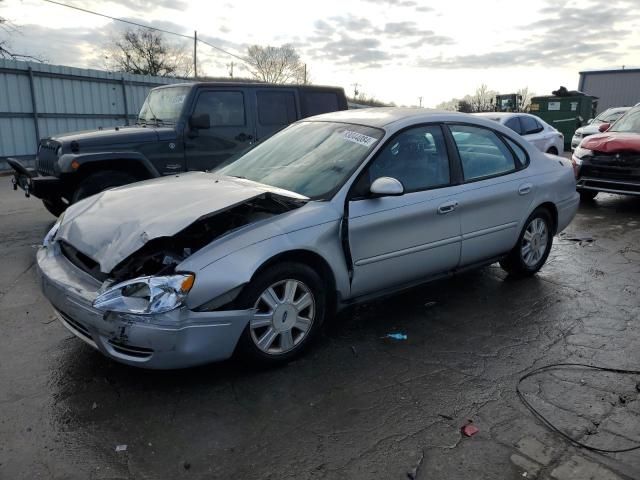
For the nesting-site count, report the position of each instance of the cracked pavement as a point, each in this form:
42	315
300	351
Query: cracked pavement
357	405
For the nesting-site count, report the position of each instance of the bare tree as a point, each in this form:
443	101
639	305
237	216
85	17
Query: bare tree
8	28
525	98
146	52
482	100
276	64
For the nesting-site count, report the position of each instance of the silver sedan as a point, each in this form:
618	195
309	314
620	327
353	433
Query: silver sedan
334	210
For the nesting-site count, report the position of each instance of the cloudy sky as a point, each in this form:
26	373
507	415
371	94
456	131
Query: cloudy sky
396	50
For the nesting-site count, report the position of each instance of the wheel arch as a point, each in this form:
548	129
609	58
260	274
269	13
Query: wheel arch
553	211
312	259
130	166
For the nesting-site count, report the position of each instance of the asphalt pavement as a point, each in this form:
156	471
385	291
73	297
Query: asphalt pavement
357	406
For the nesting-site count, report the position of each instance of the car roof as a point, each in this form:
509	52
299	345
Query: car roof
255	84
379	117
617	109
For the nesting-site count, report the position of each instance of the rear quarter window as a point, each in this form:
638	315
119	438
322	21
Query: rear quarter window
316	103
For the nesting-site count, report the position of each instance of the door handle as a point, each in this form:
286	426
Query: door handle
525	188
447	207
243	137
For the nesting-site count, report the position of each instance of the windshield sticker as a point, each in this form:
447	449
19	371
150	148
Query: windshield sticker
358	138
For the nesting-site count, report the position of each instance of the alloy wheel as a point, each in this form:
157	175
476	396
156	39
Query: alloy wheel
534	242
284	314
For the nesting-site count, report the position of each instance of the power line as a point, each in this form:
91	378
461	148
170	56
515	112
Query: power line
144	26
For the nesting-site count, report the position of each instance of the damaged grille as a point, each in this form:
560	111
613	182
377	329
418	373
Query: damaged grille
617	166
47	158
82	261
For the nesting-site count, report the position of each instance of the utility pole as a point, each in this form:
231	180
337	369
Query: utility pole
195	54
355	90
305	74
230	69
420	100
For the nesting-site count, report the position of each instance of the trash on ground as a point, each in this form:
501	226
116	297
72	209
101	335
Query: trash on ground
94	406
396	336
353	349
469	430
121	448
430	304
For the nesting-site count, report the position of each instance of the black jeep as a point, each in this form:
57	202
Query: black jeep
180	127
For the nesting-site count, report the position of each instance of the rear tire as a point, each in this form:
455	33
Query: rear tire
533	246
291	305
587	195
97	182
55	207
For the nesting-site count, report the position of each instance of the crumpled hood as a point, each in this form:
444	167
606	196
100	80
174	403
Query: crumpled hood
611	142
110	226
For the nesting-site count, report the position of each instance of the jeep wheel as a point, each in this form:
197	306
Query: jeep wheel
97	182
55	207
587	195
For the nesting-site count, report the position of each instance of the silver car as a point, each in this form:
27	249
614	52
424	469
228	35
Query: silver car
610	115
333	210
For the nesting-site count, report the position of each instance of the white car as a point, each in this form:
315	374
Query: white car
610	115
533	129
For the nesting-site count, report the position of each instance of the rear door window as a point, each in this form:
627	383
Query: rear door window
514	124
315	103
276	108
482	153
530	125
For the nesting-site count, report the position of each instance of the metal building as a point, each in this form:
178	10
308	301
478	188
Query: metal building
614	88
40	100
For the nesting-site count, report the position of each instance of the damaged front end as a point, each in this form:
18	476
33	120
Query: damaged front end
135	313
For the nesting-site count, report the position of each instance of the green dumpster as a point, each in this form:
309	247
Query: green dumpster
566	113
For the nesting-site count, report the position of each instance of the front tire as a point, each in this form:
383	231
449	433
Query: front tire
55	207
290	303
533	246
99	181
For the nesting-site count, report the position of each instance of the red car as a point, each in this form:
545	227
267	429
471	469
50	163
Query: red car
610	161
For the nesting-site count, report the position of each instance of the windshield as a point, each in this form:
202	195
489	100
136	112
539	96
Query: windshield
630	122
609	117
163	105
313	159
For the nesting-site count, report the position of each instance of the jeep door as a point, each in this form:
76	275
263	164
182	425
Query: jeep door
231	127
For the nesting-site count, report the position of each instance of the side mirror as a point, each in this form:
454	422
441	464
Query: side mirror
603	127
200	122
386	187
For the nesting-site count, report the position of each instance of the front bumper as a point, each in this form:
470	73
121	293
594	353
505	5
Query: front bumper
622	187
177	339
28	180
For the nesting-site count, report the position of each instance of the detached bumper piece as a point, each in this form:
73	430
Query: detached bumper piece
33	184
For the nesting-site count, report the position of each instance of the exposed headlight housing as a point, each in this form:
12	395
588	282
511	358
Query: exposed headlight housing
51	235
146	295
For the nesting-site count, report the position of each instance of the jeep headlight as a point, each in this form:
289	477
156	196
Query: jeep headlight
146	295
51	235
579	153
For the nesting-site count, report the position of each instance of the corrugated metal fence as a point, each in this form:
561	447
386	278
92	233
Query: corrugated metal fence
39	100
